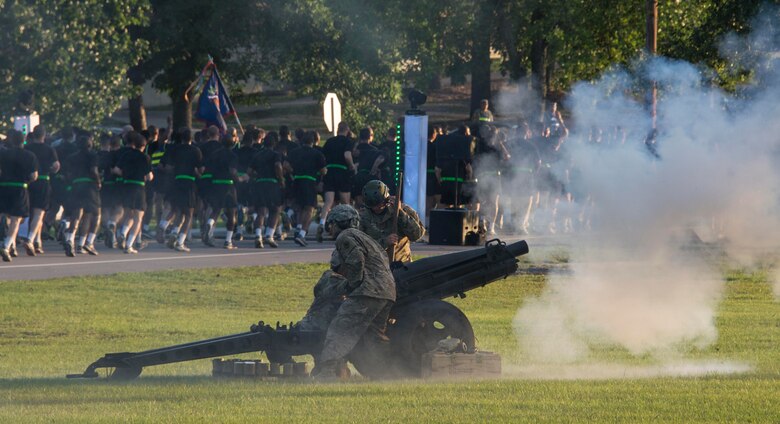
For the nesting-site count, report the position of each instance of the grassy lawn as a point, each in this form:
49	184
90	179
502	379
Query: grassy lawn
50	328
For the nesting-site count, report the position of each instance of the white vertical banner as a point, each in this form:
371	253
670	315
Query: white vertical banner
415	161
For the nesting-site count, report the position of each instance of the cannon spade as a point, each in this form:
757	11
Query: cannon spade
419	319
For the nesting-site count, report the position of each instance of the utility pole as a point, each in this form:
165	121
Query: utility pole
651	45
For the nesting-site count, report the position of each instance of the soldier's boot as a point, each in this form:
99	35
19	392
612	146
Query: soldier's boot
326	372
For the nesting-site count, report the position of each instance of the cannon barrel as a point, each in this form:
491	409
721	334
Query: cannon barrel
436	277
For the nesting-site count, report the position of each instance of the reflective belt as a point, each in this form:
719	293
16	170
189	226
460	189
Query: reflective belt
136	182
227	182
266	180
484	119
156	157
206	176
304	177
83	180
13	184
453	179
185	177
336	165
44	177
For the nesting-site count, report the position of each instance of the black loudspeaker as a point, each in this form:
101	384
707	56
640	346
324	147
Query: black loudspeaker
454	227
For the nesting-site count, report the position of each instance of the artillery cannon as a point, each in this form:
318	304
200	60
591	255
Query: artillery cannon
418	321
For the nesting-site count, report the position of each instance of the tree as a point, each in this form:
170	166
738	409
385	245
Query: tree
73	55
183	33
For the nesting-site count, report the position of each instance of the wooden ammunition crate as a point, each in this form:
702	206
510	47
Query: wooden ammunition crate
460	365
257	369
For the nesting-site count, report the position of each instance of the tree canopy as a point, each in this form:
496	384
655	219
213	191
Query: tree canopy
73	55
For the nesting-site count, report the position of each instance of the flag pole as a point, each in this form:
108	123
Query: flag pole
199	79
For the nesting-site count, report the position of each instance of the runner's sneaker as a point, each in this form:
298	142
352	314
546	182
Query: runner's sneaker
120	241
180	247
300	241
5	255
141	244
259	243
29	248
90	249
12	251
229	245
130	250
270	241
171	242
79	250
320	232
69	249
160	235
38	248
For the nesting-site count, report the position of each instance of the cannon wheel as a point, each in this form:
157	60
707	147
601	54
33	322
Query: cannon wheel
417	330
125	373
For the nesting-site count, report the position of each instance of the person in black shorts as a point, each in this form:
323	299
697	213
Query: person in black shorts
338	155
185	162
18	168
245	154
368	158
307	163
432	183
40	189
222	164
84	212
135	169
110	193
60	195
266	169
207	147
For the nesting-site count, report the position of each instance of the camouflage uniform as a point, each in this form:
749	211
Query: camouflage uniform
368	276
379	226
329	292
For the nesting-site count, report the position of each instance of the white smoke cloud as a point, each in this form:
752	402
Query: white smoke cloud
639	284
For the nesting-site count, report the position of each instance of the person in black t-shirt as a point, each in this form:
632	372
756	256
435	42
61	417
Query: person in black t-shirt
111	191
266	169
60	196
338	154
84	178
40	189
135	169
185	162
222	164
369	158
18	168
244	189
306	163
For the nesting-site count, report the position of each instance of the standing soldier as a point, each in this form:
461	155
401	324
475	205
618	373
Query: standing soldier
307	163
18	168
376	220
338	154
266	169
85	206
371	291
40	190
135	169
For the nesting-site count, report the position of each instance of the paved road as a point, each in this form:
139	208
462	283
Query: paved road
55	264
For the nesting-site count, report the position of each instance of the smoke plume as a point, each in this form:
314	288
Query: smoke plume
661	213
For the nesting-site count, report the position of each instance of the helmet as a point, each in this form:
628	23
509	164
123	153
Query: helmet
375	193
345	216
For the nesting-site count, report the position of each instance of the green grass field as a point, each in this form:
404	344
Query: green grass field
50	328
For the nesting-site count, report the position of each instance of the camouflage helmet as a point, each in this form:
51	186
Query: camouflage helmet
345	216
375	193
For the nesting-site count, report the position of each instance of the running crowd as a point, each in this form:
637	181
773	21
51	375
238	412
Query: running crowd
261	185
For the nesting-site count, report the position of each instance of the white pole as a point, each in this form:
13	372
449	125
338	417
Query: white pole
415	161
